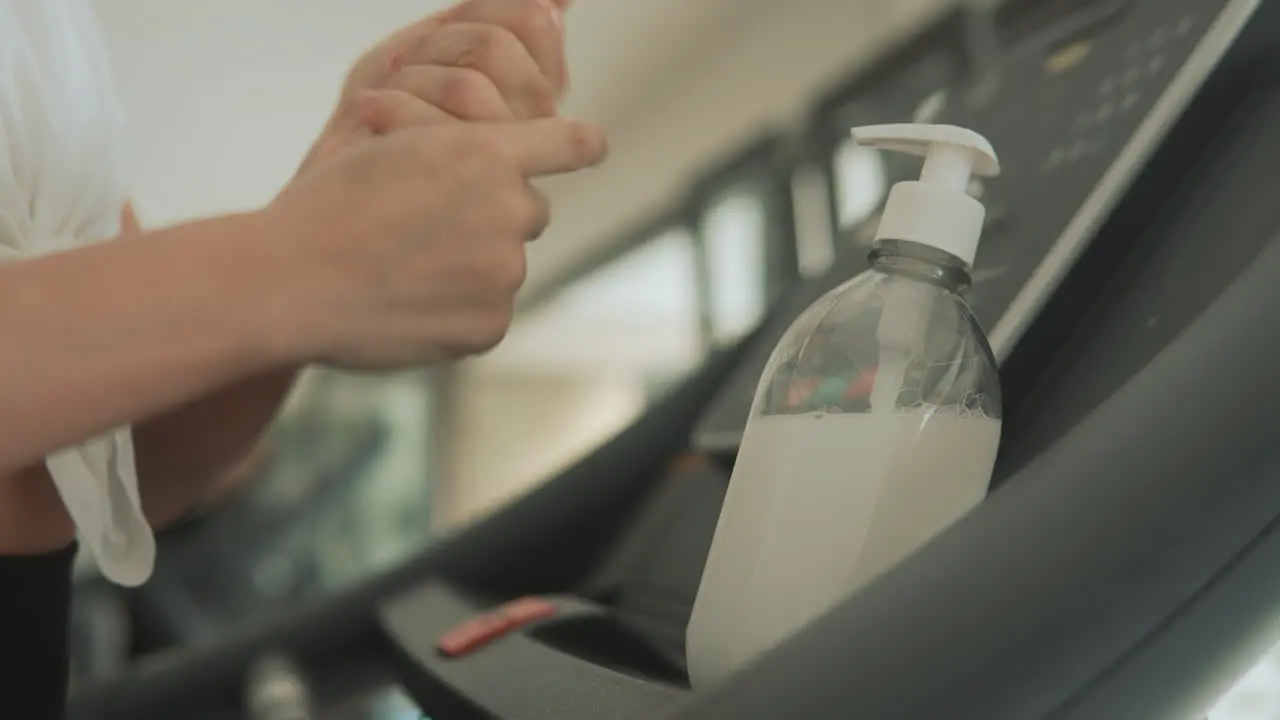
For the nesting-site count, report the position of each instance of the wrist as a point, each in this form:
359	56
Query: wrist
294	315
278	311
251	285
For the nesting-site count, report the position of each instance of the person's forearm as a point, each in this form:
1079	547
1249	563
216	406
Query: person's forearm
129	330
199	442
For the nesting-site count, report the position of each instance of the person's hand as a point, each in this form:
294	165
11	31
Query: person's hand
402	249
408	248
481	60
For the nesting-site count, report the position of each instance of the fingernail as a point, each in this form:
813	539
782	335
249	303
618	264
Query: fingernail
395	61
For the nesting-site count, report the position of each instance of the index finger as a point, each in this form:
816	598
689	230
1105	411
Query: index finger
549	146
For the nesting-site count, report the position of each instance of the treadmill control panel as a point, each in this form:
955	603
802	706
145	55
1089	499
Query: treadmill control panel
1075	115
1082	96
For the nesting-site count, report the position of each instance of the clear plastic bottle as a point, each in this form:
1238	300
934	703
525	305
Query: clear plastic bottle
875	425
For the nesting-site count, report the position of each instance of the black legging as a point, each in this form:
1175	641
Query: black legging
35	603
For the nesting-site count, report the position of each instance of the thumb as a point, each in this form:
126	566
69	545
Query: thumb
548	146
384	110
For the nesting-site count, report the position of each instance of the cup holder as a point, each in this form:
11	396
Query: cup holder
603	641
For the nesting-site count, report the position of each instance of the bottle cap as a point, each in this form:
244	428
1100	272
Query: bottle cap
936	210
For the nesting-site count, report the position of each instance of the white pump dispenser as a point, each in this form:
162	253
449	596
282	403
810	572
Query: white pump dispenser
874	428
936	210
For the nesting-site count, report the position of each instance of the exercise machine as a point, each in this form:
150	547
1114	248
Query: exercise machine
1127	554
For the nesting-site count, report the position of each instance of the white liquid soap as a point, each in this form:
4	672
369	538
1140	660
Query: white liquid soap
874	428
893	484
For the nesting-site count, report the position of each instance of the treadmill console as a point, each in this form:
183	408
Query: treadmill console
1083	95
1076	115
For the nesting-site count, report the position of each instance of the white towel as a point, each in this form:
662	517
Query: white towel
61	186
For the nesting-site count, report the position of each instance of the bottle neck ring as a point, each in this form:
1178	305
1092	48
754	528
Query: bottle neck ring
920	262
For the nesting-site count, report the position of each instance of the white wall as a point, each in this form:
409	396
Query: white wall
759	66
226	96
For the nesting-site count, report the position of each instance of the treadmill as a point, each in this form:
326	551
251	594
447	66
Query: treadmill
1125	558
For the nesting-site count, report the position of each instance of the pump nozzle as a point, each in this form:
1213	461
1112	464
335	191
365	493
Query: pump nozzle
951	153
936	210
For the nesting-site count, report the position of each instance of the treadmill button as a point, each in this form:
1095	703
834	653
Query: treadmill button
472	634
487	627
526	610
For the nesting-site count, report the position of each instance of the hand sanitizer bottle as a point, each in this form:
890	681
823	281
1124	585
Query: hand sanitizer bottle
875	425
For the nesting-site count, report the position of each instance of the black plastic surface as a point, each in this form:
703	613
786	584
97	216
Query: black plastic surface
652	579
1059	131
1230	200
1203	649
519	676
1198	216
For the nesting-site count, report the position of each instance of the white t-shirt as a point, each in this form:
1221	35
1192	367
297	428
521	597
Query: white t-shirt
61	186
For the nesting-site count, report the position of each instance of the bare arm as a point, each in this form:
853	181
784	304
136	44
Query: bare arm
187	450
130	330
184	454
